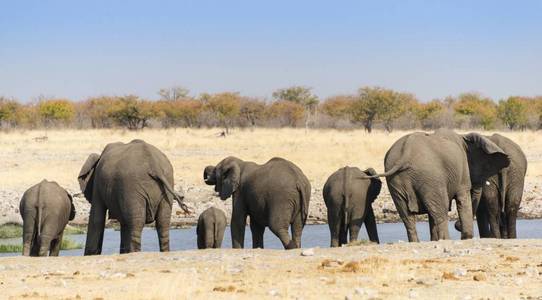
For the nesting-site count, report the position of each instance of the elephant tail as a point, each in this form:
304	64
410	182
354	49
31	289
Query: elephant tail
346	193
395	169
176	196
39	212
305	197
503	181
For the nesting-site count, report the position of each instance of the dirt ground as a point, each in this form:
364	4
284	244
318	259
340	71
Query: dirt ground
474	269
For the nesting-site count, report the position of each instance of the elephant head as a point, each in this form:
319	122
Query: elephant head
209	175
485	158
85	177
72	207
225	176
376	185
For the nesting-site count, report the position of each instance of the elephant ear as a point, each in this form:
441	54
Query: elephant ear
230	176
209	175
85	177
485	157
72	207
375	186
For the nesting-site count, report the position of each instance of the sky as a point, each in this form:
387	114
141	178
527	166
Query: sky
80	49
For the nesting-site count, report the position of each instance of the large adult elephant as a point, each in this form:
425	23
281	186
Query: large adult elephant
275	195
134	183
348	199
501	195
46	209
424	172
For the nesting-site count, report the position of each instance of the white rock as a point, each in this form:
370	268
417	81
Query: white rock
412	294
307	252
273	293
460	272
531	271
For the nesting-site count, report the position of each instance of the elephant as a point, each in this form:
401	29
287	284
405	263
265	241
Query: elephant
211	226
501	195
424	172
349	199
275	195
133	182
46	209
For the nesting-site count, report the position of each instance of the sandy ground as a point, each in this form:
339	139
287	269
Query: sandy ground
25	160
475	269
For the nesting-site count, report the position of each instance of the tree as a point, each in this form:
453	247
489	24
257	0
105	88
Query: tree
99	111
8	111
482	111
287	112
132	112
173	93
376	103
56	111
426	113
225	106
513	112
180	112
252	110
300	95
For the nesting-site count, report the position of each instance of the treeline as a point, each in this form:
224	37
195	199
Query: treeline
371	107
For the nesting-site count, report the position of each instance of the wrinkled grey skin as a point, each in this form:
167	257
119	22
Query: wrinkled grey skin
134	183
424	172
211	226
275	195
45	208
499	204
349	199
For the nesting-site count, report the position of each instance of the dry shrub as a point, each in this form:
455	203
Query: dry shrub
449	276
228	289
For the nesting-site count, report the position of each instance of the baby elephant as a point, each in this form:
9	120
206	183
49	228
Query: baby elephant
45	208
211	226
348	199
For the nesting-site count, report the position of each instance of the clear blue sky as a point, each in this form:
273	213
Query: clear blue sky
77	49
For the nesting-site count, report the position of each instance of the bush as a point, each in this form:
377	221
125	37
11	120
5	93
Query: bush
132	112
57	111
286	112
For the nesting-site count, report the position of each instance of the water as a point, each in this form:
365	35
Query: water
313	236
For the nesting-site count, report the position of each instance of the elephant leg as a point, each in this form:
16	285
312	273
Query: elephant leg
511	217
482	219
220	238
284	236
130	235
464	209
45	244
95	228
55	245
343	233
409	219
370	225
433	228
162	222
238	224
495	223
29	235
334	223
257	234
297	229
353	228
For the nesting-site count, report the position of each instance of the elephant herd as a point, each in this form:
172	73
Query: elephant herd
133	183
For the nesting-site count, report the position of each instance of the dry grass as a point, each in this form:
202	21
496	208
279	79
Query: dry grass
25	161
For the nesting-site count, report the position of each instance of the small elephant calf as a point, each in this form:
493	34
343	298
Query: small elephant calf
349	196
45	208
211	226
